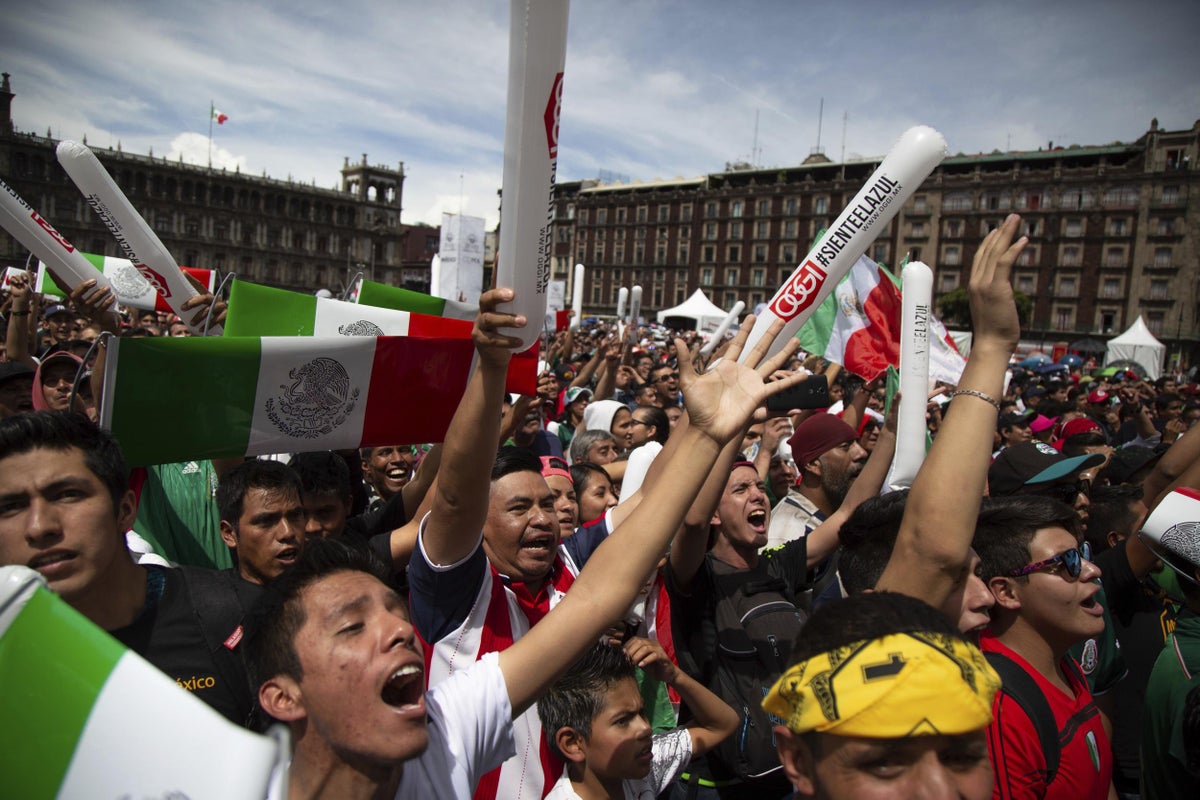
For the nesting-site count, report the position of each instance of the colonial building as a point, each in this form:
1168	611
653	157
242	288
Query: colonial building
279	232
1114	232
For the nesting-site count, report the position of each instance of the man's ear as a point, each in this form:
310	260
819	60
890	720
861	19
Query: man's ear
281	698
1114	538
799	762
812	468
228	534
1006	592
571	744
126	511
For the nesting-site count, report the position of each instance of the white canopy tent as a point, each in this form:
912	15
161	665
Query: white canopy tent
1137	344
697	313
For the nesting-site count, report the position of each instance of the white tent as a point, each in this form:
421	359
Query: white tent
1137	344
696	313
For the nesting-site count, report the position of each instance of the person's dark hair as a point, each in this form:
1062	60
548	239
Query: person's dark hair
658	418
62	430
575	699
322	471
1111	509
512	459
582	474
868	616
1077	444
1161	401
278	614
1055	408
1006	526
583	441
1073	394
867	539
272	476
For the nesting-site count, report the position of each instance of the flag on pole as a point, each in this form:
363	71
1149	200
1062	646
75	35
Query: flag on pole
235	396
256	310
84	717
131	288
858	326
217	116
371	293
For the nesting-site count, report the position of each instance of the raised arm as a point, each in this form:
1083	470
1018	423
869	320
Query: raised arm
460	496
23	310
719	403
934	542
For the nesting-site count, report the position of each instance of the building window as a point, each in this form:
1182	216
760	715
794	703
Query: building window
1114	257
711	208
948	282
658	297
764	207
601	216
918	229
821	204
729	299
1155	321
680	293
1068	286
596	293
642	213
1121	196
1028	256
709	253
1030	201
735	229
957	201
583	216
951	254
732	276
762	229
1074	227
914	254
1108	320
920	204
787	253
1165	226
639	253
953	228
621	216
1159	289
760	252
1033	227
1110	288
660	254
683	252
879	252
619	253
1071	256
706	276
791	205
685	212
758	277
710	230
639	232
1118	226
1077	199
1026	284
735	208
1170	194
1162	256
664	213
1064	318
734	254
789	229
599	252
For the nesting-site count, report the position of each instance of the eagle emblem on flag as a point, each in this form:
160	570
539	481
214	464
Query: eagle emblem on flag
317	402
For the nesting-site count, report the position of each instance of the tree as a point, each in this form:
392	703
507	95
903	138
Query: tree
955	309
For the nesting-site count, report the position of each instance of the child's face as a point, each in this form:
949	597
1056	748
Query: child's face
619	747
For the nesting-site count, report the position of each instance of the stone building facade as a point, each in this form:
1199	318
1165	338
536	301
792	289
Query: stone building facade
277	232
1114	232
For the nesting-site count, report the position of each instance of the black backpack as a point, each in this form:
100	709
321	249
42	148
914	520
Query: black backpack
756	620
1021	687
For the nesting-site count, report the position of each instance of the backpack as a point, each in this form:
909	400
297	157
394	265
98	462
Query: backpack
1022	688
756	620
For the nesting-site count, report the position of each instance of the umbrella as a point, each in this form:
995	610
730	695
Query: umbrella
1088	346
1070	360
1035	360
1046	369
1128	366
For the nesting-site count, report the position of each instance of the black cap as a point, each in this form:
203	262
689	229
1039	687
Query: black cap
14	369
1010	419
1034	462
1127	460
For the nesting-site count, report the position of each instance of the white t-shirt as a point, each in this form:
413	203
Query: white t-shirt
470	733
671	752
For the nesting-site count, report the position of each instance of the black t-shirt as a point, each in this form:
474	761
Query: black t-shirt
384	519
169	635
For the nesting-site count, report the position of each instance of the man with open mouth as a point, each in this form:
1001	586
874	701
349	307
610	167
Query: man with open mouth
262	518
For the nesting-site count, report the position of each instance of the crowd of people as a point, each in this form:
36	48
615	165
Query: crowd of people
641	582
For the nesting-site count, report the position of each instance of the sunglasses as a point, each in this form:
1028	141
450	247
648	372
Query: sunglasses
670	376
1071	561
1065	492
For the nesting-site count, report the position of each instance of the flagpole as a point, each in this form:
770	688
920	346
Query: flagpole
211	106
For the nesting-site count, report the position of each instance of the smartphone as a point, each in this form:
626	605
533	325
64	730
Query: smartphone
810	393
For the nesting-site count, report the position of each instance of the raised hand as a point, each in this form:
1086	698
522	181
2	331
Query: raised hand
649	655
96	305
993	309
494	347
721	401
201	302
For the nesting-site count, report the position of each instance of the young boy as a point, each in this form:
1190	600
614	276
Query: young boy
594	720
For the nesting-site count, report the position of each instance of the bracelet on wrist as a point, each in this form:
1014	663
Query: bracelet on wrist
19	313
987	398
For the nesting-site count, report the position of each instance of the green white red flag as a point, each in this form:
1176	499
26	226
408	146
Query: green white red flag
131	287
858	326
85	717
256	310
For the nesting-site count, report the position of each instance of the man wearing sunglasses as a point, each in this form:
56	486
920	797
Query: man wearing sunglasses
1046	601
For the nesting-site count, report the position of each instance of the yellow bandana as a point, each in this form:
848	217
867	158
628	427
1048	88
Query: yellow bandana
904	684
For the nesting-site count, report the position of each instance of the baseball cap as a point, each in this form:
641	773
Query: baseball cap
575	392
13	369
1172	532
1041	423
1034	462
1034	391
1074	426
817	435
1127	460
1098	396
1012	418
57	308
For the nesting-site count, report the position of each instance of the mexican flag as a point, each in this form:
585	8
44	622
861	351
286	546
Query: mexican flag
131	288
235	396
84	717
384	296
858	326
256	310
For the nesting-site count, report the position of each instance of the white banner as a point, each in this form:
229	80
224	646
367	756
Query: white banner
460	273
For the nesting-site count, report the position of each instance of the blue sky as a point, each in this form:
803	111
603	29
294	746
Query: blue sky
652	89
